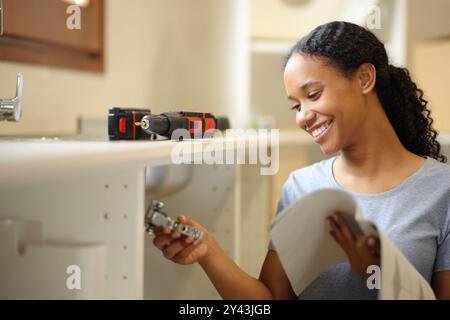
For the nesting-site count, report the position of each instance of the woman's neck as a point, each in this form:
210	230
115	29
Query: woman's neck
377	150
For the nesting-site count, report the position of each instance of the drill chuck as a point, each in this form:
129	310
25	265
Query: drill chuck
158	124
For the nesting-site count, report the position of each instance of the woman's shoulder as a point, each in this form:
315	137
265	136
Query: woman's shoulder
306	179
438	171
318	171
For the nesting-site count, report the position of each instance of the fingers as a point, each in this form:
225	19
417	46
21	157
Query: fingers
162	241
368	246
190	222
184	219
373	244
344	228
159	231
165	237
174	248
189	240
335	232
182	256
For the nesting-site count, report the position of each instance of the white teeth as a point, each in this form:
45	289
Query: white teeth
317	132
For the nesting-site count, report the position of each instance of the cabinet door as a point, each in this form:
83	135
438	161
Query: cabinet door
39	31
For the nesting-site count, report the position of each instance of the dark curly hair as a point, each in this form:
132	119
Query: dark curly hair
346	46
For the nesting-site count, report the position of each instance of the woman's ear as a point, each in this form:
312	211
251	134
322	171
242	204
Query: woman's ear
367	77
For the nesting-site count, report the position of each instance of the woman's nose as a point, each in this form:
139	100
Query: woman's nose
305	117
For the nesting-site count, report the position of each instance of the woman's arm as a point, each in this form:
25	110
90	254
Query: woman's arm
233	283
275	278
230	281
441	285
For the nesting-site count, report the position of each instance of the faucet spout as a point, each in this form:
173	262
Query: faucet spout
11	109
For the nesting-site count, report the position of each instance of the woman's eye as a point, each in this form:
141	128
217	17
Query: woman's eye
314	95
296	107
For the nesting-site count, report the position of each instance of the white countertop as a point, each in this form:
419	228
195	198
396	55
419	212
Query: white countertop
22	158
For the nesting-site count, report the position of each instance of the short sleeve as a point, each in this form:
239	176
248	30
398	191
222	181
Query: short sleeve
443	254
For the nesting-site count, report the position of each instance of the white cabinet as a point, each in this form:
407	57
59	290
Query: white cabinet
89	198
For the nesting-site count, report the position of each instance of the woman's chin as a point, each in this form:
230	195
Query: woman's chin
328	149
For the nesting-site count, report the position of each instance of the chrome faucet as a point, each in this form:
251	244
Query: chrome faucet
11	109
1	18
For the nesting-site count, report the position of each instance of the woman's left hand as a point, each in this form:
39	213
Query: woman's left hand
362	251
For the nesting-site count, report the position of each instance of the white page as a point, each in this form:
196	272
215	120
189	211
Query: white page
301	237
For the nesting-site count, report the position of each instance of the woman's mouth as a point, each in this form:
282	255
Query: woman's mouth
319	133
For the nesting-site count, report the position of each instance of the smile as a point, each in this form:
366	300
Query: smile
319	132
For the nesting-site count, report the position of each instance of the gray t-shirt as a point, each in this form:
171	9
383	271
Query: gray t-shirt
415	215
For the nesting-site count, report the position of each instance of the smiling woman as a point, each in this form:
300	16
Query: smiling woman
351	101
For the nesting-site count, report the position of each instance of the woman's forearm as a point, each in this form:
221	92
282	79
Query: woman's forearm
230	280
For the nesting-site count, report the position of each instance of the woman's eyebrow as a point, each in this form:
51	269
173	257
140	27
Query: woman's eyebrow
305	86
308	84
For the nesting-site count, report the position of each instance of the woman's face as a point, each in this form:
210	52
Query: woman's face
328	105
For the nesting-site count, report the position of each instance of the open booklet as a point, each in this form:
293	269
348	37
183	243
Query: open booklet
301	237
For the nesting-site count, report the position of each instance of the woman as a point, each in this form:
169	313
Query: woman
350	99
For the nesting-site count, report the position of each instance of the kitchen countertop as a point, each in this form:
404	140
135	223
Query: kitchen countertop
19	157
23	158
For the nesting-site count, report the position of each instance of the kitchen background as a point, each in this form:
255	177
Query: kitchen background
221	56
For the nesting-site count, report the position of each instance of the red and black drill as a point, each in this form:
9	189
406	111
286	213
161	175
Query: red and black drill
135	124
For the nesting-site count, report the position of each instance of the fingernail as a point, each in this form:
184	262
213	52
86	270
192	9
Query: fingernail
189	240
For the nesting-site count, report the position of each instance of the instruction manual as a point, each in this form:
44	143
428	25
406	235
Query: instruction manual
301	237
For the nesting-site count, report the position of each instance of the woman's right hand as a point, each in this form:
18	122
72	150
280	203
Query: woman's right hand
182	249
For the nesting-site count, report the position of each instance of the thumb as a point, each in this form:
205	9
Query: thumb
188	221
184	219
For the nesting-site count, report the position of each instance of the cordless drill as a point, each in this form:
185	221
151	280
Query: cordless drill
141	124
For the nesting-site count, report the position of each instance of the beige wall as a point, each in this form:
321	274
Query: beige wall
160	54
273	19
430	66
